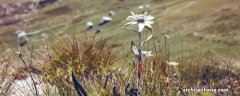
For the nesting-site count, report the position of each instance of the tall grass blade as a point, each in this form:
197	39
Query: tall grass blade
78	87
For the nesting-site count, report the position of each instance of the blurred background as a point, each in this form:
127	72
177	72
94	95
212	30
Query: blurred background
207	29
198	25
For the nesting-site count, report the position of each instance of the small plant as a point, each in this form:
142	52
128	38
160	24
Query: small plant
89	62
142	21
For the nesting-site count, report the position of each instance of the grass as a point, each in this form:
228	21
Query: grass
102	62
100	73
114	28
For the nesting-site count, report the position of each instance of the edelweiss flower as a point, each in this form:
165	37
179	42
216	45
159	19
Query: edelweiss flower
140	7
166	36
172	63
147	53
142	20
88	24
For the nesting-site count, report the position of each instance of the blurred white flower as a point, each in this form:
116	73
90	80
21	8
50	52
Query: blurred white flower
44	35
166	36
195	34
89	25
140	7
147	53
147	5
142	20
111	13
172	63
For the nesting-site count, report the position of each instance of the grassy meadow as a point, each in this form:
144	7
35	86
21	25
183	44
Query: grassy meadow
199	37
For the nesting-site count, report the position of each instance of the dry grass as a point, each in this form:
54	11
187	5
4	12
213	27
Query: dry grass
96	68
99	73
88	60
103	70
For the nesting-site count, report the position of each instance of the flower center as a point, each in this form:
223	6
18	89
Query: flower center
141	21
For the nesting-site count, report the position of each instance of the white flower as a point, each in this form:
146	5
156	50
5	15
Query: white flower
111	13
147	53
195	34
166	36
106	18
172	63
142	20
140	7
147	5
88	24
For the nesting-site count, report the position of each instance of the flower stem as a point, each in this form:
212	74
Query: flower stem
139	61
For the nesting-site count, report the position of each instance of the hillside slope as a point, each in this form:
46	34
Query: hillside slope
201	25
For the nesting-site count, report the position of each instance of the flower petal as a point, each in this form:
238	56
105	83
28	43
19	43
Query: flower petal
132	23
149	22
131	18
148	25
132	13
129	23
149	17
141	27
145	14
